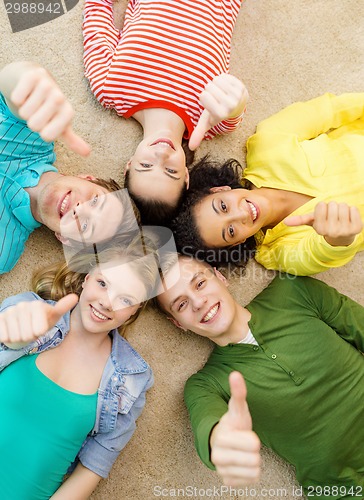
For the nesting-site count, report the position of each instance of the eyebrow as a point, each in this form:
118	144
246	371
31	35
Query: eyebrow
165	173
194	277
223	229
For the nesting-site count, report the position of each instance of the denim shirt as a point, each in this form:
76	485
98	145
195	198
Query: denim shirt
121	394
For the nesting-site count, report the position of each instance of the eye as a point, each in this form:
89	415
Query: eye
94	200
171	171
146	165
231	231
181	305
126	302
200	284
84	226
101	283
223	206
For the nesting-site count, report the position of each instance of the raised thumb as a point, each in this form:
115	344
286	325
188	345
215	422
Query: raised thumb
62	306
238	412
203	125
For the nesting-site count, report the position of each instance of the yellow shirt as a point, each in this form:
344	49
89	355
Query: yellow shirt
314	148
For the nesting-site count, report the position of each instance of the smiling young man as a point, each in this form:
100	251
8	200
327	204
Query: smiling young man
299	346
33	112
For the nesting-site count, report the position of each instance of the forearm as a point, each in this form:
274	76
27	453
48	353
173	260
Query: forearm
79	486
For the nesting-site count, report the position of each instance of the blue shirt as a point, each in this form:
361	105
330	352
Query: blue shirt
24	157
121	394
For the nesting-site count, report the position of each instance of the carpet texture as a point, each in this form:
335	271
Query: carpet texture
284	51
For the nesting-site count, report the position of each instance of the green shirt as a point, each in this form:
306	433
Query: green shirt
305	382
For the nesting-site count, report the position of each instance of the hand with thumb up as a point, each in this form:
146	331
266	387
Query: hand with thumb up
26	321
235	448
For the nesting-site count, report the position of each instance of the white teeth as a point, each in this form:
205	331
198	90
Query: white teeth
64	204
253	210
165	143
212	313
98	314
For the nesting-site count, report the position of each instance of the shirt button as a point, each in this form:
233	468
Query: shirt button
274	356
115	379
255	348
34	350
291	373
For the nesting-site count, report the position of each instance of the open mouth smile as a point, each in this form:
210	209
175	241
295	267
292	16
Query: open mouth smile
253	210
64	205
164	142
98	314
211	313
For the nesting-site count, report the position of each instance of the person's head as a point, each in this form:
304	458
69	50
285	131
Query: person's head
84	209
157	178
217	221
199	300
113	286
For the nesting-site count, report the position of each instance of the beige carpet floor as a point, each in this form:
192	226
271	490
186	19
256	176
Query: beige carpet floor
284	51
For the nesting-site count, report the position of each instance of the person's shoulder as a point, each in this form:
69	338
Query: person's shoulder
21	297
126	357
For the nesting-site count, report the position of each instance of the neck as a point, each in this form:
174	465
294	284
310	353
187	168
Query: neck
237	330
281	204
35	191
155	119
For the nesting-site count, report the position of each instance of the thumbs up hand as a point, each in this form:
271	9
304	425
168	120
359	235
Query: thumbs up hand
338	223
234	446
27	321
223	98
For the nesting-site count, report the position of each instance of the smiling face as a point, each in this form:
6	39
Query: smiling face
227	217
157	170
79	209
200	301
111	294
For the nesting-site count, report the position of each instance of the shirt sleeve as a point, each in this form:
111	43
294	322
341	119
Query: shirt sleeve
309	254
206	404
309	119
100	451
341	313
224	127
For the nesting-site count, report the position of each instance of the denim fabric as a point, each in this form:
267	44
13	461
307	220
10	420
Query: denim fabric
121	394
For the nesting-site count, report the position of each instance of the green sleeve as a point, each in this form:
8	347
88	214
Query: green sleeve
341	313
206	404
309	119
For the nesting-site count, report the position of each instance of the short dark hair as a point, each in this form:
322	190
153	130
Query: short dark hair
157	212
203	176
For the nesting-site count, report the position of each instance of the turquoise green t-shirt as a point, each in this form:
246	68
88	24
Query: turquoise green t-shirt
45	428
24	157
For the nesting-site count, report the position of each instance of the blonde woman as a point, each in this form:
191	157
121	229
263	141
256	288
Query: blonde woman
73	387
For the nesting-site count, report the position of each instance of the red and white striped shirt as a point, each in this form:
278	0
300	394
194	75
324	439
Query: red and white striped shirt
166	53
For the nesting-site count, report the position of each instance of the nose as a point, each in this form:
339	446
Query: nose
105	301
79	209
239	213
198	301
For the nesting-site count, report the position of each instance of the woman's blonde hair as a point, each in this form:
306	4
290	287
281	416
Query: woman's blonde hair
57	280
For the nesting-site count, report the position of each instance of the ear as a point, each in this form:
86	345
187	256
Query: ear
84	281
176	323
221	277
62	239
187	178
127	166
87	177
216	189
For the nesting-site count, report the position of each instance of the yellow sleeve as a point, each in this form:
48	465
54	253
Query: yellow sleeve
306	256
309	119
